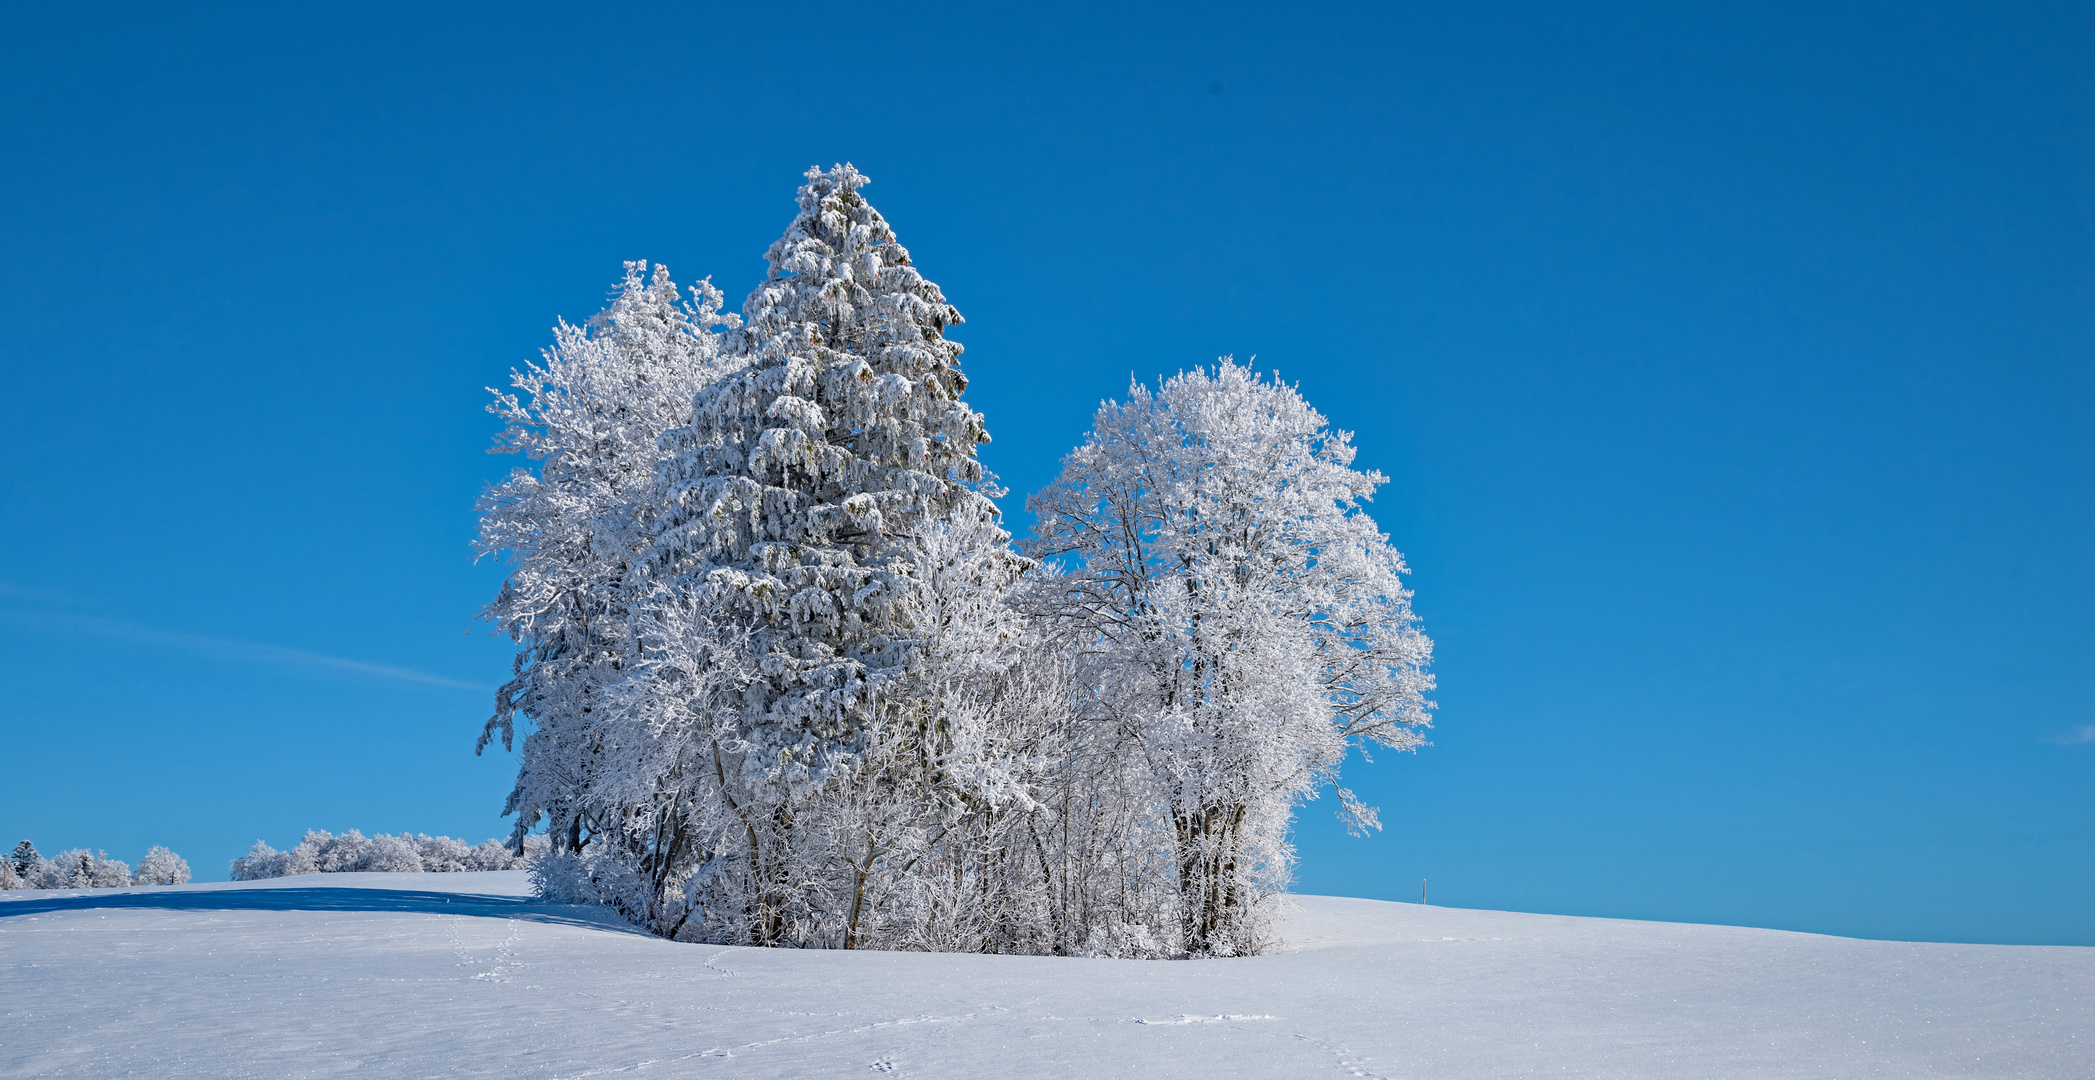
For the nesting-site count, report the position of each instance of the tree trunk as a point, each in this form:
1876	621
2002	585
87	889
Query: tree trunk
1209	889
858	893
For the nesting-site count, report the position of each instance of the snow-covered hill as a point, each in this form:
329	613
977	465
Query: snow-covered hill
459	975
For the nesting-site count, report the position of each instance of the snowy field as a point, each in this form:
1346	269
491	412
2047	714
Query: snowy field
426	975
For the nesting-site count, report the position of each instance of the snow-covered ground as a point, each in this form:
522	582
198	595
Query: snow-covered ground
429	975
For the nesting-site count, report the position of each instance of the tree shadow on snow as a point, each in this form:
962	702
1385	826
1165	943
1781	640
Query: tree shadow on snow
326	899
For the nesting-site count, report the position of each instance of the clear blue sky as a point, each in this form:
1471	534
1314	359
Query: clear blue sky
1735	373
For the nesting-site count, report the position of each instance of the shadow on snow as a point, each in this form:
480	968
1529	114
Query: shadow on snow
325	899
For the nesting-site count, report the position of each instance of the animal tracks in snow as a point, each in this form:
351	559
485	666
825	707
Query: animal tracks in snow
882	1065
1189	1018
723	972
505	961
1354	1066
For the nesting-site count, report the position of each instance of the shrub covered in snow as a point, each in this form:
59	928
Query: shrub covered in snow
322	852
161	867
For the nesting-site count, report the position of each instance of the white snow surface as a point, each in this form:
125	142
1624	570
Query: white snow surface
464	975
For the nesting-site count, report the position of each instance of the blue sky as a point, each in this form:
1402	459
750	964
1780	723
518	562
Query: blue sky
1733	372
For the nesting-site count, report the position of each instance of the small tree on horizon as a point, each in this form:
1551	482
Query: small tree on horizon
161	867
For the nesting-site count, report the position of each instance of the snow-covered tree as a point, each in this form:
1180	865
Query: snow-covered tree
260	863
1249	619
99	871
797	486
793	513
161	867
23	857
926	818
590	418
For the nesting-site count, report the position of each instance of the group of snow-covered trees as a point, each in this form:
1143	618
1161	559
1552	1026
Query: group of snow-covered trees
322	852
786	680
79	868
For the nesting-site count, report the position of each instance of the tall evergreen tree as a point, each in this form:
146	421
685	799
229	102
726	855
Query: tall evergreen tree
794	507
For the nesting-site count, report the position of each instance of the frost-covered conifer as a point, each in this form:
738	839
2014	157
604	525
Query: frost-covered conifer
792	513
1249	620
795	490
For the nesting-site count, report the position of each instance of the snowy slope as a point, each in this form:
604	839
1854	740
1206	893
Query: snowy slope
422	975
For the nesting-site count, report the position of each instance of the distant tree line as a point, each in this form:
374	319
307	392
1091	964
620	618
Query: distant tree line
79	868
322	852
